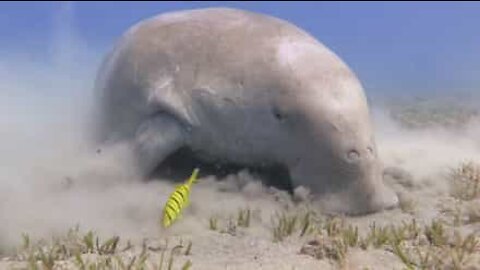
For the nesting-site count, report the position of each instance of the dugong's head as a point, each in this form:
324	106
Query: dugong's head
323	109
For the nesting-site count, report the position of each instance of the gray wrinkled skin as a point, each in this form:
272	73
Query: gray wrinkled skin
247	88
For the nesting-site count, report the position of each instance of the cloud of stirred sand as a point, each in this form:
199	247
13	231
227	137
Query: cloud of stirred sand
51	178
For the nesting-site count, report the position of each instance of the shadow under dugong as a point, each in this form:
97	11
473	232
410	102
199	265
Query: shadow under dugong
242	88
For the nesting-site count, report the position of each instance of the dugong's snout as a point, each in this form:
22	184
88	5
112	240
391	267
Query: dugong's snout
360	198
375	198
349	181
367	192
365	185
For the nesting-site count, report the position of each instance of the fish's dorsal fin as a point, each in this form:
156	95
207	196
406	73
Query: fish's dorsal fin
193	177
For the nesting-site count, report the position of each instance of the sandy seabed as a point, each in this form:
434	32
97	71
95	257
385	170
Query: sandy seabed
50	183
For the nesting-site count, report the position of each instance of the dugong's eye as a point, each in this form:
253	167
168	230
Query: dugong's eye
278	114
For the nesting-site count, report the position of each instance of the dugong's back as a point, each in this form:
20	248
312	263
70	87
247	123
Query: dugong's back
160	61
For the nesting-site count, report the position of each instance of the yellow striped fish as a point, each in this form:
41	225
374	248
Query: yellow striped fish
178	200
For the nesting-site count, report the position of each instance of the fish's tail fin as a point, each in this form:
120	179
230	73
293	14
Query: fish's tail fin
193	177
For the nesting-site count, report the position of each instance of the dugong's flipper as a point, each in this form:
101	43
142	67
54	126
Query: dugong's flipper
155	139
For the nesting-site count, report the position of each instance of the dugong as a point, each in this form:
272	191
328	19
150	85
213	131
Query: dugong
244	88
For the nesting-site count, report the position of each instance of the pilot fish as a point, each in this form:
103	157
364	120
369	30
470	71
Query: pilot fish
178	200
